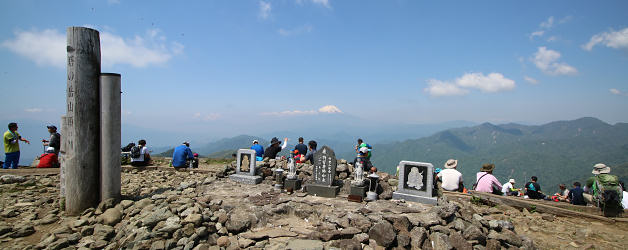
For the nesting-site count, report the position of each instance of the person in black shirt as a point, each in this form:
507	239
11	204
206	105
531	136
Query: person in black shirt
575	196
533	189
274	148
301	147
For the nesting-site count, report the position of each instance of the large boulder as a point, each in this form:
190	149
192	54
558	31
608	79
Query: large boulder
111	216
238	221
383	233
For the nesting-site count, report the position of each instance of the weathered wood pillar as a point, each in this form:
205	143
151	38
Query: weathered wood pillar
82	159
110	115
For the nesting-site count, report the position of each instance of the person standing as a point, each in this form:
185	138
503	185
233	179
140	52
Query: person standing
259	150
12	146
181	154
302	149
450	177
55	139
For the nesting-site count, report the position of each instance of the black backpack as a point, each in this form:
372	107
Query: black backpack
128	147
136	152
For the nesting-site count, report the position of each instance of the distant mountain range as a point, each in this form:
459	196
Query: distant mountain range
557	152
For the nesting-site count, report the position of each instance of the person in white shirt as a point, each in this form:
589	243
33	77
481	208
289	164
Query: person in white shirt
144	158
450	177
508	189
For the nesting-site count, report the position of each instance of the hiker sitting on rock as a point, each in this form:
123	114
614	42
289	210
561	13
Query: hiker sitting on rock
564	192
48	159
259	150
450	177
533	189
55	139
301	147
274	148
575	196
509	189
486	181
604	190
139	154
310	154
181	155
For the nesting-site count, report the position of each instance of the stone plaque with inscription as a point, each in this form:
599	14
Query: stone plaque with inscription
416	182
324	174
245	167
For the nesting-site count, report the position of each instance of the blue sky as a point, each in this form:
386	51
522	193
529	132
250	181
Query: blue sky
224	66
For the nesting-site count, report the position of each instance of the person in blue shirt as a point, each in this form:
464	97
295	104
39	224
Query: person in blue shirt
259	150
181	154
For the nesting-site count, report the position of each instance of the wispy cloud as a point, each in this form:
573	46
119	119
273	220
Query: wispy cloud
264	9
547	61
618	92
491	83
207	117
530	80
327	109
47	48
34	110
612	39
324	3
296	31
547	25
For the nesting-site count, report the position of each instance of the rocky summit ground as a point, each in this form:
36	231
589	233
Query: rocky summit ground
164	209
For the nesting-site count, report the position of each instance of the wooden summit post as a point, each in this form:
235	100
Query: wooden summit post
110	115
82	157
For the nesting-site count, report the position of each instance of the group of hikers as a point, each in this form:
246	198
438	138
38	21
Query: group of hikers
602	189
12	138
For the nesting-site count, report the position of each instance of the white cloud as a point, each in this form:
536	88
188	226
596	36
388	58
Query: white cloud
538	33
328	109
208	117
491	83
547	61
264	9
296	31
530	80
47	48
34	110
547	24
618	92
440	88
324	3
612	39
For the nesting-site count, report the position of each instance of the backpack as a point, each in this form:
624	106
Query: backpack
128	147
136	152
608	194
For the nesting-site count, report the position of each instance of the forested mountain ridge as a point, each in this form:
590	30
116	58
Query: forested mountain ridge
556	152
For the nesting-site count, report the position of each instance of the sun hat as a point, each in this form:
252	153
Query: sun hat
51	127
50	150
274	141
186	143
451	163
255	141
512	181
487	167
600	168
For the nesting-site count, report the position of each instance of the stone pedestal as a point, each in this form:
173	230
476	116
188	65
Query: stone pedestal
294	184
246	179
322	190
414	198
358	191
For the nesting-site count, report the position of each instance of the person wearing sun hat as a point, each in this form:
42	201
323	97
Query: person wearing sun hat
274	148
486	181
450	177
509	190
603	188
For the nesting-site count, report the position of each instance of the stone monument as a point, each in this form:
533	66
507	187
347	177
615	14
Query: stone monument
292	181
245	168
358	189
416	182
324	174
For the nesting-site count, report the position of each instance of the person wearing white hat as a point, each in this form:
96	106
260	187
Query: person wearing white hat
450	177
508	188
604	190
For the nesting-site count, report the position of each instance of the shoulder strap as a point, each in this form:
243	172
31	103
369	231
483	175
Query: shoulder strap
476	183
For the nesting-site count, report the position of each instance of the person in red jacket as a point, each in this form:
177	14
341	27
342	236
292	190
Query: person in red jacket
49	159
